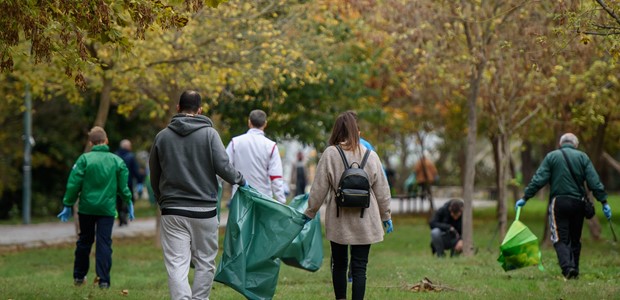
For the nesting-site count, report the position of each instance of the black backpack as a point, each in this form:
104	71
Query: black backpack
354	186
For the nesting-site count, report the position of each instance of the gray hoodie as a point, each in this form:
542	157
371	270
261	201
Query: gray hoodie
184	161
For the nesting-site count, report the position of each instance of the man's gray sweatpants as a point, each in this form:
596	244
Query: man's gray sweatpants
183	240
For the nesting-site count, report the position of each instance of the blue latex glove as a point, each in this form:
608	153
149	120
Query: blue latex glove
245	184
388	225
520	203
139	189
306	219
130	209
607	211
65	214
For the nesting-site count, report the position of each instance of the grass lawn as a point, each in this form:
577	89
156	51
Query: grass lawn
402	260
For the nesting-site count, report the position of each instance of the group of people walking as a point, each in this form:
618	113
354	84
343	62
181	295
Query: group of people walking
188	157
185	162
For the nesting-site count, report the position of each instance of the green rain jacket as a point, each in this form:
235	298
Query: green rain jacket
554	171
97	177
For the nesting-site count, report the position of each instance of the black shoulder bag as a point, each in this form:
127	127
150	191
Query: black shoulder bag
589	206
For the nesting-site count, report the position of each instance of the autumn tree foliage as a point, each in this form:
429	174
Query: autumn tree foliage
65	28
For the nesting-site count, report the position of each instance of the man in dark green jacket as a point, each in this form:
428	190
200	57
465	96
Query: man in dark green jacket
96	178
566	206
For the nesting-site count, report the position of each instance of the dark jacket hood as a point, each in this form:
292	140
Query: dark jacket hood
184	124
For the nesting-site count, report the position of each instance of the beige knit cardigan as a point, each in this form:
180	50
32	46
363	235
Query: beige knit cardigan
349	228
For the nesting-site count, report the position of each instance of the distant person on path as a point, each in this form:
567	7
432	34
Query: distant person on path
348	230
97	178
129	158
390	174
446	228
425	175
567	199
184	163
258	158
300	178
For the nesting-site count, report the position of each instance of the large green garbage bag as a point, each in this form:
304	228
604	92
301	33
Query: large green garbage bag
519	248
306	250
257	232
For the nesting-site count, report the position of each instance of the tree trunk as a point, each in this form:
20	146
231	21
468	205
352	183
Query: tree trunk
594	225
104	101
595	228
598	159
502	192
598	144
470	161
495	141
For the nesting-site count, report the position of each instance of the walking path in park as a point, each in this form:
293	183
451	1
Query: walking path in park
16	237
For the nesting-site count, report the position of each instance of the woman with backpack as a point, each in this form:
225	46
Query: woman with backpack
351	181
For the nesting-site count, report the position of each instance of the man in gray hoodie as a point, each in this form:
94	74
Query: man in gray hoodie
185	160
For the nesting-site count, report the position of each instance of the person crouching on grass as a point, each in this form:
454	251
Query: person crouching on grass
446	228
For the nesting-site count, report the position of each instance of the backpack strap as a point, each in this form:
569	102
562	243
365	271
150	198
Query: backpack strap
344	158
365	158
362	167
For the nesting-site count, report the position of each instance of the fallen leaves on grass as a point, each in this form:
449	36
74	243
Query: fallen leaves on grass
426	285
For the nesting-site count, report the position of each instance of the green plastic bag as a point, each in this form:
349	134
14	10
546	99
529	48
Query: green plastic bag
519	248
257	232
306	250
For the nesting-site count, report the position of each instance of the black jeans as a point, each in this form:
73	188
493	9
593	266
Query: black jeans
90	227
340	261
566	222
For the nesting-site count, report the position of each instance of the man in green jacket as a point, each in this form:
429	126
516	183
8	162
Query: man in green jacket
96	178
567	205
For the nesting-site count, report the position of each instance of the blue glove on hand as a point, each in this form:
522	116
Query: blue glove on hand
306	219
245	184
607	211
520	203
65	214
130	209
388	225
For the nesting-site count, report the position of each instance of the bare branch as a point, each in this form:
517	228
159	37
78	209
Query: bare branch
606	27
531	115
161	62
609	10
611	161
599	33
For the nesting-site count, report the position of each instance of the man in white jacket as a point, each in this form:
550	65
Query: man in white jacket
258	158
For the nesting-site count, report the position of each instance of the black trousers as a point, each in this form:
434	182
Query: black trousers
340	261
93	228
565	223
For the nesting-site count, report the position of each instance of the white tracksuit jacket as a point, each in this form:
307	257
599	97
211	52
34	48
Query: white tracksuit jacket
258	159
